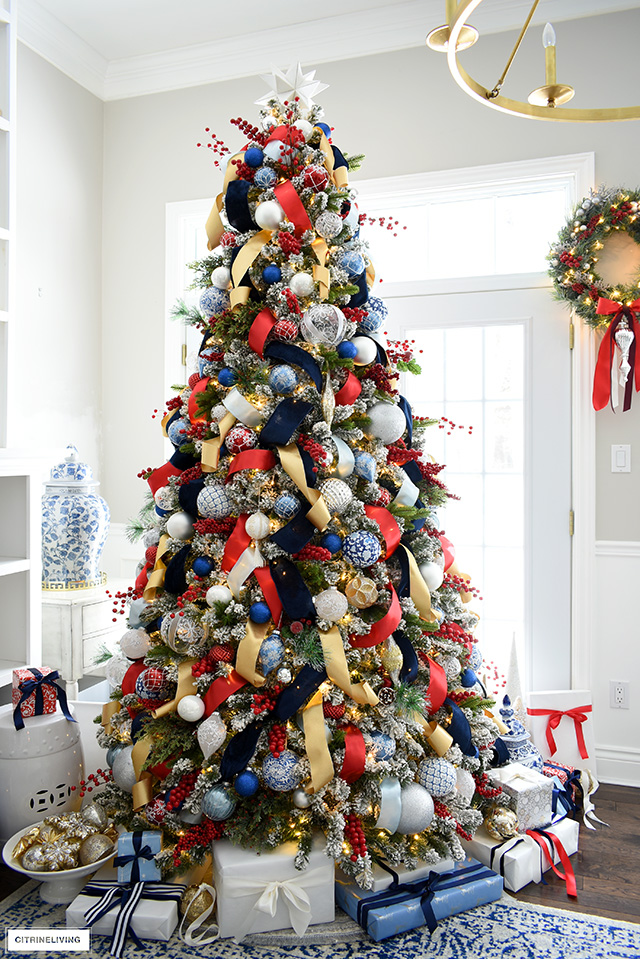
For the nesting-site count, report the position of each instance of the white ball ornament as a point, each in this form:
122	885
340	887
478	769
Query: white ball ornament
302	284
432	574
135	643
218	594
301	799
116	669
179	526
221	277
331	605
417	809
366	348
257	525
269	215
336	494
465	784
191	708
388	422
305	128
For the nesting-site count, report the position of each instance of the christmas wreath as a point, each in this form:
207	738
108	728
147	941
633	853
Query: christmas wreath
573	258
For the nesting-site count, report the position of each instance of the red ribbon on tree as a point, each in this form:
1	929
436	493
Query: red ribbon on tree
579	716
288	198
604	364
437	690
236	544
160	476
199	388
260	329
143	576
568	875
354	754
251	460
349	391
220	690
269	591
388	527
448	550
383	628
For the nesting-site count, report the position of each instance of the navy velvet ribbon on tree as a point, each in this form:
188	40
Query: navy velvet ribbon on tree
236	204
460	729
175	577
292	590
29	686
284	421
295	356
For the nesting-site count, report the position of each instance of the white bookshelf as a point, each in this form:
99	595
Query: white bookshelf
8	43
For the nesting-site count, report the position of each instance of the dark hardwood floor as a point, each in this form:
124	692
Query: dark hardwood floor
607	865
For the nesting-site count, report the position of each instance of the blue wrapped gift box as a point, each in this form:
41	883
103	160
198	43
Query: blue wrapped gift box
135	859
408	905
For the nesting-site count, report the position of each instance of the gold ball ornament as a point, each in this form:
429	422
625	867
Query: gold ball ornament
501	823
195	900
94	848
361	592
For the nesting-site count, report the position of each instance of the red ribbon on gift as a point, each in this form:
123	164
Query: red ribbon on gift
606	353
383	628
199	388
579	716
288	198
354	754
236	544
260	329
251	460
220	690
349	391
437	690
388	527
568	875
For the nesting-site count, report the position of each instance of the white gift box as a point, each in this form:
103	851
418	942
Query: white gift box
152	919
557	703
520	860
532	792
262	892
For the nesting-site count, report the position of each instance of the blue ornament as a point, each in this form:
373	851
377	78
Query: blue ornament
281	773
437	776
265	177
271	274
347	350
246	783
365	466
475	659
205	359
226	376
332	542
259	612
177	431
271	652
214	301
112	752
361	549
383	746
202	566
372	322
213	502
283	379
468	678
218	803
375	303
326	129
351	262
286	506
254	156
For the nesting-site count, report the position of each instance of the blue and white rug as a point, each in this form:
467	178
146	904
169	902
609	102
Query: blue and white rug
506	929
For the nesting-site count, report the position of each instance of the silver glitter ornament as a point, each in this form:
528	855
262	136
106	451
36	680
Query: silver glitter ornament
124	775
417	809
624	338
34	860
301	799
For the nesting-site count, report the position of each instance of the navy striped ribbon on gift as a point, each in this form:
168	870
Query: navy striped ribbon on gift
126	898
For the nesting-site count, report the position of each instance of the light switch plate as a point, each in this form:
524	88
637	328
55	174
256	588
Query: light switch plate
620	459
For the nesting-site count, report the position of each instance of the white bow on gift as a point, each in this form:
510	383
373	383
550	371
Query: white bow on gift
292	892
511	774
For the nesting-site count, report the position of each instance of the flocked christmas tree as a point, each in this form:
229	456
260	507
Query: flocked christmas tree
300	654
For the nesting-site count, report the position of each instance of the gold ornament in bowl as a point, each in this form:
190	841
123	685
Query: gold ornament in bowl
501	823
94	848
361	592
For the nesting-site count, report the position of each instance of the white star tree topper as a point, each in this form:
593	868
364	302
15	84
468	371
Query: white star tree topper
294	83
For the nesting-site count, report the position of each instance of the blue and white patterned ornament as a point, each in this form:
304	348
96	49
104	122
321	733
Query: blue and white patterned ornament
271	652
177	430
438	776
246	783
332	542
475	659
365	466
213	502
383	746
351	262
286	506
372	322
265	177
226	376
283	379
375	303
259	612
361	548
281	773
213	301
218	803
166	499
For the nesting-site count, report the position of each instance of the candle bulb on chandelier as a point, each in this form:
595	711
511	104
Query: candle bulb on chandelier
549	44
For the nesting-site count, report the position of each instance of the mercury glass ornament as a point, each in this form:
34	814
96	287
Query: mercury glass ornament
336	494
284	675
124	775
624	337
501	823
361	592
34	859
323	324
181	634
94	815
331	604
387	422
195	901
417	809
115	670
257	525
212	732
94	848
301	799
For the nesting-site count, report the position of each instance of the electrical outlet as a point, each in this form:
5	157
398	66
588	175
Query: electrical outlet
618	694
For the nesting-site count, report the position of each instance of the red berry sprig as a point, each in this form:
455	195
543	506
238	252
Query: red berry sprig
453	632
277	740
216	145
450	426
314	553
201	835
182	791
266	701
250	130
207	663
460	585
121	598
99	778
192	594
145	473
193	473
174	403
483	788
354	835
289	244
381	378
215	526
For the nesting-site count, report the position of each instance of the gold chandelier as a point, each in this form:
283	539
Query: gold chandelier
545	102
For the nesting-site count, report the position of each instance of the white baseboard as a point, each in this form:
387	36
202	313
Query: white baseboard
619	765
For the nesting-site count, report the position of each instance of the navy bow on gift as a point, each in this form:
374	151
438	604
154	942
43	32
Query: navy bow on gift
29	686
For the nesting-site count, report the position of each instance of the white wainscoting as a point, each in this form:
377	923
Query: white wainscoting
615	656
120	558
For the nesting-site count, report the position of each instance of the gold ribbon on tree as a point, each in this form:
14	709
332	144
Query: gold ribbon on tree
142	791
186	687
156	577
316	743
210	456
108	712
437	737
291	462
335	663
247	653
339	175
214	225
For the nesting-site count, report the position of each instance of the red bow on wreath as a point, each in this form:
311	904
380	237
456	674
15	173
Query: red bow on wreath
623	331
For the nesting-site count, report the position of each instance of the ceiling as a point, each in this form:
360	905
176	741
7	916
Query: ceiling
123	48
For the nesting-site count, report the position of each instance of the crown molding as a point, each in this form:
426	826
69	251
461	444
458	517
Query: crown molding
396	26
